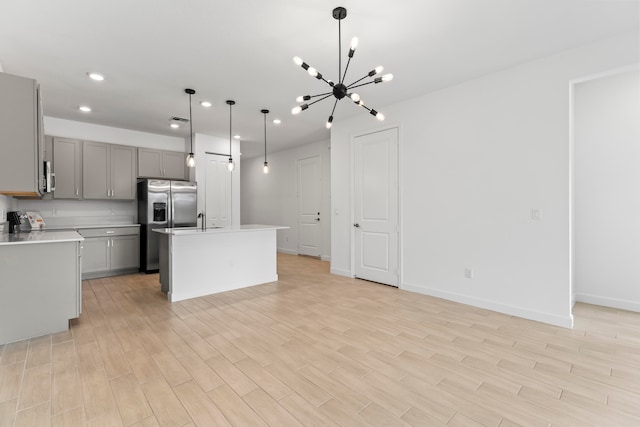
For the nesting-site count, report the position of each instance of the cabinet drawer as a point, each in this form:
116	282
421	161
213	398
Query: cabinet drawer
108	232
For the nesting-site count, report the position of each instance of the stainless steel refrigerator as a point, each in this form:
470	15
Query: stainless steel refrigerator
162	204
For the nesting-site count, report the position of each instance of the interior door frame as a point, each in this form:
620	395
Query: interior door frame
394	125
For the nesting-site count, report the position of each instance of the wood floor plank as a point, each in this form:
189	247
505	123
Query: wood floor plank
269	410
235	410
201	409
36	387
130	399
165	405
34	416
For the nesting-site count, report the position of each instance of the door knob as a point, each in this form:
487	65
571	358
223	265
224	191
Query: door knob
356	225
318	219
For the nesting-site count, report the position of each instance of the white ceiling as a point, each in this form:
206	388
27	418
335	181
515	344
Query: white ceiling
151	50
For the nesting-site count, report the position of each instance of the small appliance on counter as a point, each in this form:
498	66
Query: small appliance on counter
15	220
35	220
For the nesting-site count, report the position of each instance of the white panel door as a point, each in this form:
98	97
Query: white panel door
376	207
218	191
309	202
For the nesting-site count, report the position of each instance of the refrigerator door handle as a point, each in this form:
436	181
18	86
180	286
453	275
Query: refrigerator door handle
172	210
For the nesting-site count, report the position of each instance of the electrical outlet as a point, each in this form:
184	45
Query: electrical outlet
468	273
536	214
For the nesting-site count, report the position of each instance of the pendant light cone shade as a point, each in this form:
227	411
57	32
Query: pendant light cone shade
340	89
265	166
191	158
230	166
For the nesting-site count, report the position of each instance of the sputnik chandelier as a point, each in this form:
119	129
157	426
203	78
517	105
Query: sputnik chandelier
339	89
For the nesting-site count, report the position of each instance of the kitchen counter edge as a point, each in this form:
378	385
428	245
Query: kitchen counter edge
40	237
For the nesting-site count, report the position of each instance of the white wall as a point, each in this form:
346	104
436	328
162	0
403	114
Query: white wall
69	212
272	198
607	191
213	144
475	159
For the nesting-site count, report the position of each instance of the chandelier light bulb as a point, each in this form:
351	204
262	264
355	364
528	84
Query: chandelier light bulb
265	168
380	117
297	60
300	99
312	72
354	43
329	122
296	109
355	97
379	69
387	78
230	166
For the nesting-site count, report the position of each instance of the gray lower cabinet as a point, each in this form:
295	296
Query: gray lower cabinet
67	165
161	164
110	251
40	288
108	171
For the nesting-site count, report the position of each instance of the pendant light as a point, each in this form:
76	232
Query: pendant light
231	166
265	167
339	89
191	158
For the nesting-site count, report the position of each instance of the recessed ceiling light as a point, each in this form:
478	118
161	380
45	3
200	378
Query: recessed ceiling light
84	109
174	125
277	121
236	136
96	76
205	104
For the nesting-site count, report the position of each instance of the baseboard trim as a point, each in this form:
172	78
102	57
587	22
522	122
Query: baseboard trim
538	316
608	302
287	251
325	258
340	272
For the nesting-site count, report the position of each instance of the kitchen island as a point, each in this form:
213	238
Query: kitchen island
195	262
40	287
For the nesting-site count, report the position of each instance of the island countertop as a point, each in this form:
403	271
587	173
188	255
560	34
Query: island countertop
39	237
182	231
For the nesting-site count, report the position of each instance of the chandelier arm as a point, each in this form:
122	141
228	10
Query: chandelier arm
357	81
335	104
318	100
362	84
321	94
344	76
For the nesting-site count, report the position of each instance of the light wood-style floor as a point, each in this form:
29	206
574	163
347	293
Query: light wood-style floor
319	350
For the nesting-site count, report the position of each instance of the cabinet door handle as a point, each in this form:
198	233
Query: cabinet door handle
76	191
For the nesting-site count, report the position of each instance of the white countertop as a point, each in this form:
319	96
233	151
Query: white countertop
82	227
186	231
40	237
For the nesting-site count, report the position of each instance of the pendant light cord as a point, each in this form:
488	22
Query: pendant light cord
265	137
230	131
190	124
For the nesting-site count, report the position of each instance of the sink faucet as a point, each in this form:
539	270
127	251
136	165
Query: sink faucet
204	220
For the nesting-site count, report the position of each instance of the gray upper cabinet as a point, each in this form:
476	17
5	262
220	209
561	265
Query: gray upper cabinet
108	171
161	164
67	165
21	137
